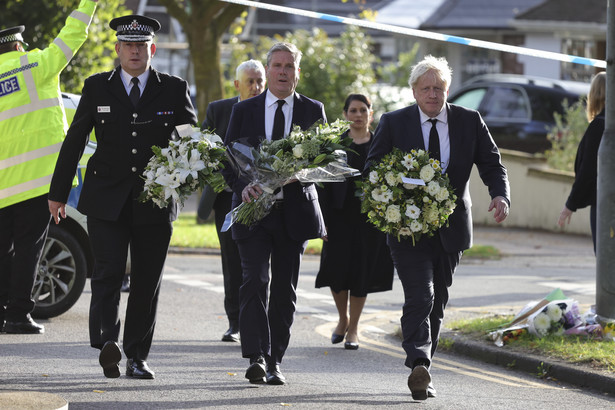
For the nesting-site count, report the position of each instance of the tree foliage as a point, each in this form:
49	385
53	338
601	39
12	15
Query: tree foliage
44	22
204	22
331	68
566	135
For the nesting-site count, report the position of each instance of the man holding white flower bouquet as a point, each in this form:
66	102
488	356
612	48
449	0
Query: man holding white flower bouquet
438	227
131	108
282	235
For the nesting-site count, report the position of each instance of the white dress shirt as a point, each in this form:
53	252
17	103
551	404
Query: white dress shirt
271	104
127	81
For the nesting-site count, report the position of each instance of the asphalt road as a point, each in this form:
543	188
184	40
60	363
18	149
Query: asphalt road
194	369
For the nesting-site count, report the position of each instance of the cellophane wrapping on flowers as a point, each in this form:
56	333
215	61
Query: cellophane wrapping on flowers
314	155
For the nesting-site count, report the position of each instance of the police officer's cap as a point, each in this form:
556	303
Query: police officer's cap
11	34
134	28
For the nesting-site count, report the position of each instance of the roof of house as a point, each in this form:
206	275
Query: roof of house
477	14
589	11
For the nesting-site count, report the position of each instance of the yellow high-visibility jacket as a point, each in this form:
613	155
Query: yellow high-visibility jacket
32	119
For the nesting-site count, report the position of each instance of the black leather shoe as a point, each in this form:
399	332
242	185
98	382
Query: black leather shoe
431	391
26	326
335	338
109	358
2	326
256	372
138	369
418	381
275	376
351	346
232	334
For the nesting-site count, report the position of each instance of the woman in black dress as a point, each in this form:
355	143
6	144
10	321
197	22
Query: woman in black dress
355	259
584	188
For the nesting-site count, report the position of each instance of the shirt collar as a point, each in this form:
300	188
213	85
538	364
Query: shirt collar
442	116
142	77
271	99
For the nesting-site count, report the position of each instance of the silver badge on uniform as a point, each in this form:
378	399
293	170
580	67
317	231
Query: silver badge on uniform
104	108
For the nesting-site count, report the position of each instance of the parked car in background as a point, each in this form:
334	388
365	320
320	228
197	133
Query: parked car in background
518	109
67	259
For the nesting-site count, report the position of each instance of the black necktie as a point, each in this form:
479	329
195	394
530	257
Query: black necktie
434	140
278	122
135	93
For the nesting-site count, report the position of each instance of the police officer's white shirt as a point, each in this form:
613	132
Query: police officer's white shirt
271	104
127	81
442	127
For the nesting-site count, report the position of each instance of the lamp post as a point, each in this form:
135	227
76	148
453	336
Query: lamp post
605	219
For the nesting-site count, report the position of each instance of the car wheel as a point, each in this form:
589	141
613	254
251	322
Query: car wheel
61	274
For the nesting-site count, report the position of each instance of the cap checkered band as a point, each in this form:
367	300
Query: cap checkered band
11	37
134	32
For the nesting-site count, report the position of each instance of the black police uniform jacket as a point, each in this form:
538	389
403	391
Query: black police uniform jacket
125	135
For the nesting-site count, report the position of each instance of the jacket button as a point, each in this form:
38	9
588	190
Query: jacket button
102	121
134	133
134	169
134	115
134	150
166	124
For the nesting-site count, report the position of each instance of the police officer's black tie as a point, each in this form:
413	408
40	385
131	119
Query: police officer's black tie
278	122
434	140
135	93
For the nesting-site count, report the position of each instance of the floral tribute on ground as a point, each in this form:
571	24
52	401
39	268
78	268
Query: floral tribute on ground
191	161
313	155
553	315
407	195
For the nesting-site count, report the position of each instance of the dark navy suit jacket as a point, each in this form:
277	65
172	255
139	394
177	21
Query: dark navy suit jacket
302	216
470	144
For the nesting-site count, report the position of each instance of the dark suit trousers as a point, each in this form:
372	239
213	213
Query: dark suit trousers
265	323
231	262
23	231
110	241
426	272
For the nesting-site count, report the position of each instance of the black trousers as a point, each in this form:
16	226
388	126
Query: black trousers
110	241
426	272
267	308
23	231
229	254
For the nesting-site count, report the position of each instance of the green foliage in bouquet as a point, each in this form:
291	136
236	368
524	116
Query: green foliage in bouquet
303	155
407	195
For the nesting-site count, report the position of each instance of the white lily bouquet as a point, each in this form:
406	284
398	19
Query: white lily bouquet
407	195
313	155
192	160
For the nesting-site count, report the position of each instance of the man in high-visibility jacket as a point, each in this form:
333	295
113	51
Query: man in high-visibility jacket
32	128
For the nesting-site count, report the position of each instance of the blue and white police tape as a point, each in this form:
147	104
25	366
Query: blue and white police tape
425	34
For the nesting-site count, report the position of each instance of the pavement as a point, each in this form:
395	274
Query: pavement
522	245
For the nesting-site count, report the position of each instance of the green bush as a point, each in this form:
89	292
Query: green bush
566	135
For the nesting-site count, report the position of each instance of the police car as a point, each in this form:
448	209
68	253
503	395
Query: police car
67	259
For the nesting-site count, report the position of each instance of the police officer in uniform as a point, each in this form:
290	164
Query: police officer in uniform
131	109
32	127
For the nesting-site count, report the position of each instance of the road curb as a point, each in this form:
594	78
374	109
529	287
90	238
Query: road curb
554	369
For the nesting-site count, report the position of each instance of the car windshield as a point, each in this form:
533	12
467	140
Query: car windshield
471	99
506	102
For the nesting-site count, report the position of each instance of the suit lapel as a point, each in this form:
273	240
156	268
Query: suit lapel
152	88
117	87
414	130
454	137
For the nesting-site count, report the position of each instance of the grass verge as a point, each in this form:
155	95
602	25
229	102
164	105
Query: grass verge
598	354
187	233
